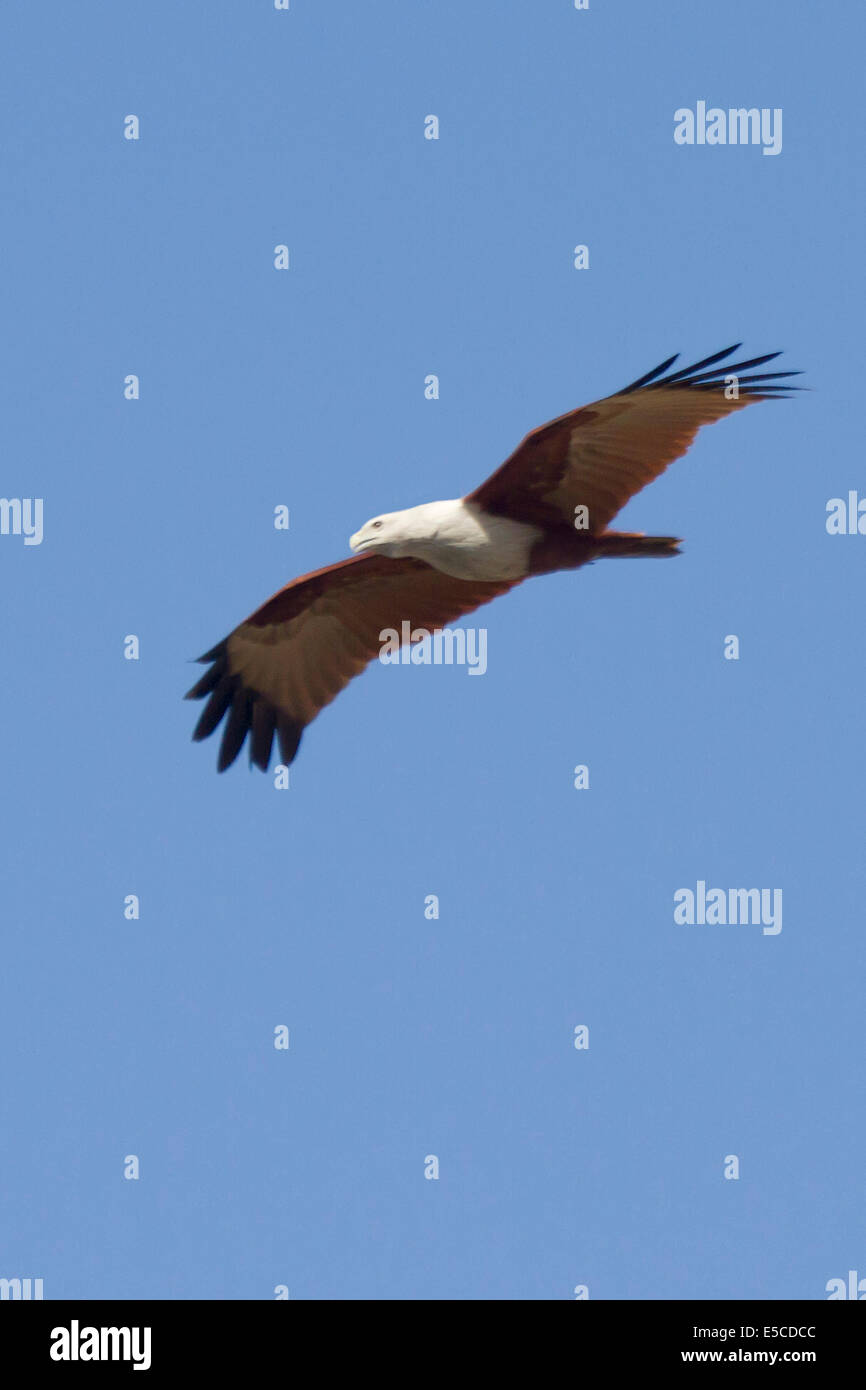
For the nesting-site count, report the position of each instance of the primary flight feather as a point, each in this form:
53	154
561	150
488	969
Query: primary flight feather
548	507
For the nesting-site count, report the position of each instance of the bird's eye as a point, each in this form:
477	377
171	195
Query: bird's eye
376	525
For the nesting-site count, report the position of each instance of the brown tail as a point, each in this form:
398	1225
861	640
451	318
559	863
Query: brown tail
636	543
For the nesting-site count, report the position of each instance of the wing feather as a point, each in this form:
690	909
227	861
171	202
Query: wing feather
602	454
290	658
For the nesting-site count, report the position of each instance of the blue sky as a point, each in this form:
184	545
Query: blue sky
410	1037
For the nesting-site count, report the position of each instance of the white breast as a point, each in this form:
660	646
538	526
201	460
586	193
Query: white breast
461	539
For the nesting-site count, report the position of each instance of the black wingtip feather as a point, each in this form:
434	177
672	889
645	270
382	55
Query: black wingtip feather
262	727
236	729
205	685
704	362
220	700
694	378
289	734
214	654
649	376
249	714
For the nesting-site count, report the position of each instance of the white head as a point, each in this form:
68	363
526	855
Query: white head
457	537
391	533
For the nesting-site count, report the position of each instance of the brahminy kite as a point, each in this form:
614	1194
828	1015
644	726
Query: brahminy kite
547	508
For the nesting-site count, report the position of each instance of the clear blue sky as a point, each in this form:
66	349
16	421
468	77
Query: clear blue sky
412	1037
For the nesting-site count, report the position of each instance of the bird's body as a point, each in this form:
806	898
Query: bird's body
547	508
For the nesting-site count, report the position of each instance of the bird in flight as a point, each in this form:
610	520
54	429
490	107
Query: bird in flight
548	507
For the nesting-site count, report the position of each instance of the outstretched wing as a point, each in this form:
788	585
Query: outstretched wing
290	658
602	454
